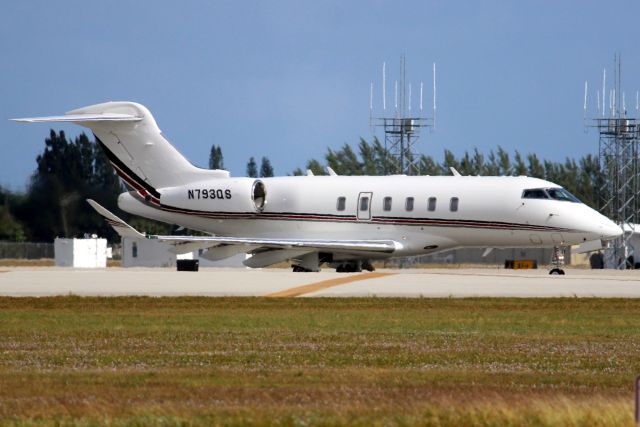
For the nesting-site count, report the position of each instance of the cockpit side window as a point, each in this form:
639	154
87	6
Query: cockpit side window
562	195
557	193
535	193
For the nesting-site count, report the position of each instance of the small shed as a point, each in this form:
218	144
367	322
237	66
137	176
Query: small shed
80	253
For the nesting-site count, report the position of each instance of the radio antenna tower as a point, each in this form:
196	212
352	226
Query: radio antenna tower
620	163
401	122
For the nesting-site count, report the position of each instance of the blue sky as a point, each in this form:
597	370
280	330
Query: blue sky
287	79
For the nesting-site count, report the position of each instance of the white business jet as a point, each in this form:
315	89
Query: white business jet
343	221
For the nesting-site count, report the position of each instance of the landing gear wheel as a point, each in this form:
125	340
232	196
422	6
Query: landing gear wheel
349	267
366	265
299	269
557	260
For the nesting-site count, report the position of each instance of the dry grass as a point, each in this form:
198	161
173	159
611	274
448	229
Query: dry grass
11	262
44	262
236	361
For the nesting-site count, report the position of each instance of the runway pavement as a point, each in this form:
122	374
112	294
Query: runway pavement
480	282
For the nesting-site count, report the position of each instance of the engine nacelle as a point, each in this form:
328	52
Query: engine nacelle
217	195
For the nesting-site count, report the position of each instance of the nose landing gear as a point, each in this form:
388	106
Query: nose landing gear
557	260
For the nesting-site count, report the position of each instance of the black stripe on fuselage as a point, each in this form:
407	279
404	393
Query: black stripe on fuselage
124	168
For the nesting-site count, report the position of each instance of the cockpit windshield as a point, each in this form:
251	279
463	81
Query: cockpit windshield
557	193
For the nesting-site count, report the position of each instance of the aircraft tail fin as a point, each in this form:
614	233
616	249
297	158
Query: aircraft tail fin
135	146
121	227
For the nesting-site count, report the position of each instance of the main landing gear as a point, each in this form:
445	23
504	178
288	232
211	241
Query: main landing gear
557	260
301	269
311	263
354	267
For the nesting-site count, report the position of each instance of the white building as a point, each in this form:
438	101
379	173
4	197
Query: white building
80	253
153	253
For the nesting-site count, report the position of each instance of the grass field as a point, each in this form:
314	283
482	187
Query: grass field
235	361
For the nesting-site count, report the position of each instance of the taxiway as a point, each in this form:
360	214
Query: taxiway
457	283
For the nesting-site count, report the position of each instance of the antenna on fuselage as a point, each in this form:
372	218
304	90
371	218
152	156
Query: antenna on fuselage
330	171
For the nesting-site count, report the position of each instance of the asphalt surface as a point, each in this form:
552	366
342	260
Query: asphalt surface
480	282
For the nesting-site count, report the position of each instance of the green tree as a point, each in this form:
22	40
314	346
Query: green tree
449	162
535	168
10	227
344	161
504	163
266	170
491	167
315	167
252	168
520	167
67	173
216	160
428	166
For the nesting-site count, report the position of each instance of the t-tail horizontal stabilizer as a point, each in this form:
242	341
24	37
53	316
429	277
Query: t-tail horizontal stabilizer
121	227
82	118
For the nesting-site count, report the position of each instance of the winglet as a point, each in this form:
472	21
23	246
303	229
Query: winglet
454	171
121	227
330	171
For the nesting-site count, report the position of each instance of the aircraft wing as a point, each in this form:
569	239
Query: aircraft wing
184	244
385	246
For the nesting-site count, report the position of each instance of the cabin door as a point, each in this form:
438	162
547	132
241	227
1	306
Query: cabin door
364	206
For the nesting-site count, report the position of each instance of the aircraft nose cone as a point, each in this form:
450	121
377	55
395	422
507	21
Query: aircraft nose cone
609	230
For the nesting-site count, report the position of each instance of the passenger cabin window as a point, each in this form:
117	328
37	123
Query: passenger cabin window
342	202
453	204
364	204
408	204
557	193
386	204
431	204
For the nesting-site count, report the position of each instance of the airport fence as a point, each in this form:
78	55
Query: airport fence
25	250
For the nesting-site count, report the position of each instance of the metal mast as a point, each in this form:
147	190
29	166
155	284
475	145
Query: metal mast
402	124
619	160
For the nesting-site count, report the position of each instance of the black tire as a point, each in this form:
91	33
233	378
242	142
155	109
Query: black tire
187	265
366	265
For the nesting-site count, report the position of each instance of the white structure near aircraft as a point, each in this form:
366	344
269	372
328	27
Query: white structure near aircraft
81	253
154	253
343	221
